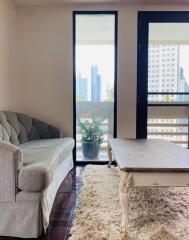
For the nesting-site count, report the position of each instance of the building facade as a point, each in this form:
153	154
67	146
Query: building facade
96	85
81	88
165	75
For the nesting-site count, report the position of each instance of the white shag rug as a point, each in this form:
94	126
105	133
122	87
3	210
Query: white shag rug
155	213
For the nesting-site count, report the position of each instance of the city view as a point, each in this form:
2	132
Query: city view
95	93
95	73
168	72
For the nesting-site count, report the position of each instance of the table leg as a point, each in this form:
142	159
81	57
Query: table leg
109	156
126	185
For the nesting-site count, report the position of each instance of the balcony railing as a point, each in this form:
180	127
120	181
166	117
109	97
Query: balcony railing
102	110
169	122
165	121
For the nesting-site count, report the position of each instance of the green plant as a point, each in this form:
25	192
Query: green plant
90	130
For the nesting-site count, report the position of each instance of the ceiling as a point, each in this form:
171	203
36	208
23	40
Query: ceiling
97	29
151	2
165	33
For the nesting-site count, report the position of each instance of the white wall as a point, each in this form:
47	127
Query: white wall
45	63
7	64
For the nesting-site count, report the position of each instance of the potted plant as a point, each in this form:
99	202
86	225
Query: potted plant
91	136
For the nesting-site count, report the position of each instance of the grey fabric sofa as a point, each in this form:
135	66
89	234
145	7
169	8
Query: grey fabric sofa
34	160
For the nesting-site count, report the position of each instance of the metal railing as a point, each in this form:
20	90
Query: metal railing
169	122
165	121
102	110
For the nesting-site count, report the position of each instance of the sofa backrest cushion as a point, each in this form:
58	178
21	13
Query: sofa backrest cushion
18	128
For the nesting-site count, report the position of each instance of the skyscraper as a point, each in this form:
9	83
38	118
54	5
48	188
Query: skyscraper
166	75
183	85
164	72
95	84
81	88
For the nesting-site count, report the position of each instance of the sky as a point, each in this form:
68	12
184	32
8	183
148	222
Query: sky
100	55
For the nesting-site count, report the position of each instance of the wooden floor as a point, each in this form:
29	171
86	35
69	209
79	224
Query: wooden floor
63	209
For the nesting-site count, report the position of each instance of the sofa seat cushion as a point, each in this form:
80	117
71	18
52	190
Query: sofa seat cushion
40	159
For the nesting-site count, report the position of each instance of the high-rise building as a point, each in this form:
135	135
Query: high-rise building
95	84
183	85
165	75
81	88
163	71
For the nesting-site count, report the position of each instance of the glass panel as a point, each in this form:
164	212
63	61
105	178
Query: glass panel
173	130
168	98
168	51
168	72
168	68
95	68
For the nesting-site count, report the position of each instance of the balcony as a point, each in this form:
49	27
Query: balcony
169	122
102	110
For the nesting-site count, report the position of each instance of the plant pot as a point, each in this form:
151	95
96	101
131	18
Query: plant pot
90	150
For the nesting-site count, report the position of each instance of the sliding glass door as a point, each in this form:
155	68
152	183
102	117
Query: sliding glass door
164	76
95	48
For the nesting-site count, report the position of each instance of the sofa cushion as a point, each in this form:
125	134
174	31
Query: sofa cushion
40	159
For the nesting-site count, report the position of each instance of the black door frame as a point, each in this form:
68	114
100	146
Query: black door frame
115	13
144	18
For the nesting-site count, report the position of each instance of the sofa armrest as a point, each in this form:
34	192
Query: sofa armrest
11	161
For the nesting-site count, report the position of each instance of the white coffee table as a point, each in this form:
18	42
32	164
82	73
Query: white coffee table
145	162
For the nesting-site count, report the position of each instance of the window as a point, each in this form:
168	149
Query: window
164	110
95	51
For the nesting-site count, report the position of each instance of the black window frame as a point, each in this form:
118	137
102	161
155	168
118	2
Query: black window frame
74	14
144	18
